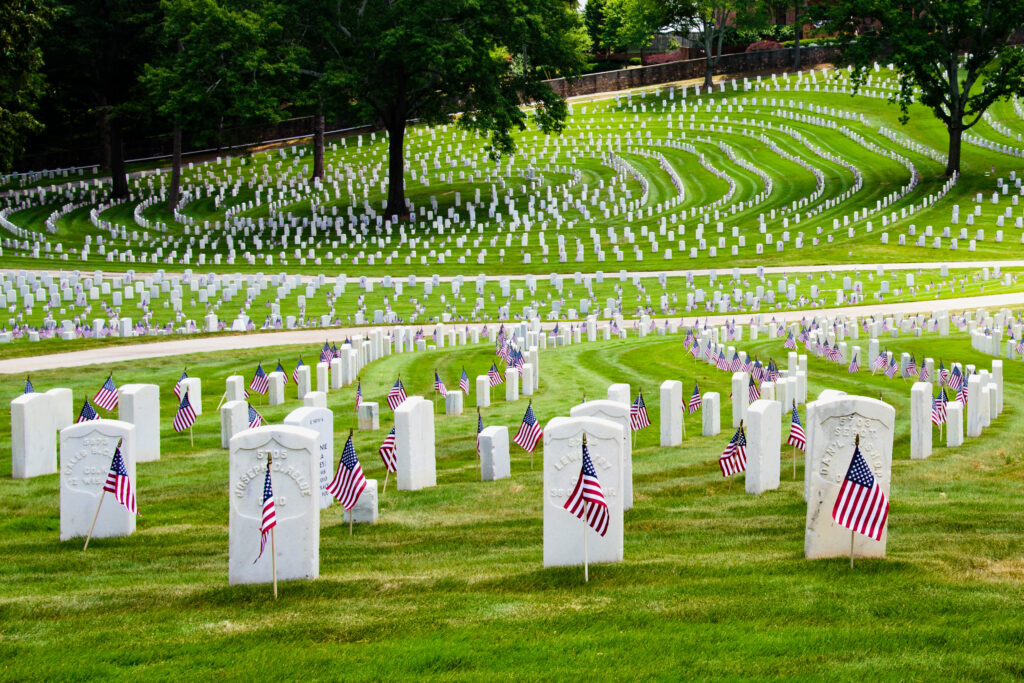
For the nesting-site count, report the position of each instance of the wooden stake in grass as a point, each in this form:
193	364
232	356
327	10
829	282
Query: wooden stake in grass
98	505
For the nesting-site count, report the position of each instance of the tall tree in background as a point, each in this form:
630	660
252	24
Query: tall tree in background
924	40
709	19
219	64
593	20
22	25
632	23
94	58
427	59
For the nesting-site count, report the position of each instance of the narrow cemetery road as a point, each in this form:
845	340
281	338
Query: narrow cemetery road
566	269
185	346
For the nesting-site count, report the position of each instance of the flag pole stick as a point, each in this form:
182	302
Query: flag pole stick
351	514
94	518
851	549
191	439
221	401
794	462
586	563
387	473
273	559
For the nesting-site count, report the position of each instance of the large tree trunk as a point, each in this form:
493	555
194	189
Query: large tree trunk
318	141
396	167
118	174
175	192
953	165
103	123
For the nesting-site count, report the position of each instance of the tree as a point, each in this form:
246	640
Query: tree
22	25
397	60
631	23
94	58
709	19
952	56
593	20
216	66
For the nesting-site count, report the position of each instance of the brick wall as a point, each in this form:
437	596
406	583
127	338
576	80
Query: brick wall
739	63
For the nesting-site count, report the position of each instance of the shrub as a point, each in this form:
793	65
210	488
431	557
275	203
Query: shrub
764	45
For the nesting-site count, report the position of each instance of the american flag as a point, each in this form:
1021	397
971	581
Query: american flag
893	368
854	366
924	375
387	452
638	413
269	520
961	393
439	385
723	362
939	408
956	379
736	362
879	363
334	351
397	394
796	431
861	506
359	393
186	416
325	353
106	397
757	371
119	484
295	372
464	382
695	400
348	482
943	373
790	342
259	381
87	413
587	498
255	419
29	389
529	431
753	392
911	368
479	428
280	368
494	376
177	385
734	457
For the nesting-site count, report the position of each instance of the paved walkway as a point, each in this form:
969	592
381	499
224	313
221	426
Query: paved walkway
316	337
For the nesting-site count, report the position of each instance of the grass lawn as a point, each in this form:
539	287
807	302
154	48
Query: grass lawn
449	583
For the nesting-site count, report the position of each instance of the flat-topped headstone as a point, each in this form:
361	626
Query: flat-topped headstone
335	373
483	391
321	421
139	404
740	397
275	388
86	451
975	419
365	511
33	437
671	413
234	418
369	416
920	420
414	444
295	478
954	424
511	384
831	429
764	428
495	462
453	403
619	393
62	406
234	388
616	412
303	385
315	399
711	420
563	453
526	374
323	375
